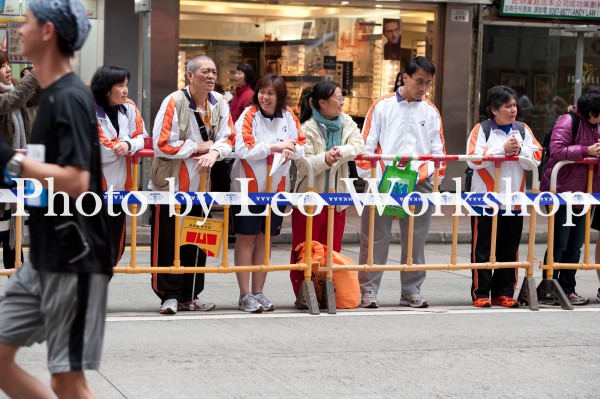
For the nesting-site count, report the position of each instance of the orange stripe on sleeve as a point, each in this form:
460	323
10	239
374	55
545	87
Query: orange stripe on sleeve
367	127
165	131
105	140
537	155
252	184
423	172
487	179
231	139
247	131
301	137
184	178
443	140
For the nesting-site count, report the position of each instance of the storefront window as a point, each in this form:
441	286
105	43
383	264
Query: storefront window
362	49
539	63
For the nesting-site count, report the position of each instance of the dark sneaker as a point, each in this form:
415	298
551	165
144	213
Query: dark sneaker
598	295
577	300
413	300
264	301
482	303
369	300
505	301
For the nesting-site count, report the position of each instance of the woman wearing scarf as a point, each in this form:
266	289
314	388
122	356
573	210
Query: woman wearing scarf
332	136
15	129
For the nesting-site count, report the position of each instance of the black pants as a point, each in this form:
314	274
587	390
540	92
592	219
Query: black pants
116	228
177	286
499	281
9	254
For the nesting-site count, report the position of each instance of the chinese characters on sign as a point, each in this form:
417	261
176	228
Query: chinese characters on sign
14	42
581	9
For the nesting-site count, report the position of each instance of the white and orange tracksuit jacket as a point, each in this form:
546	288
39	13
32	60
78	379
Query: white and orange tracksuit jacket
396	126
254	133
167	142
116	171
483	172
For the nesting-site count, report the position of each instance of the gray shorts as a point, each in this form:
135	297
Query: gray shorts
68	310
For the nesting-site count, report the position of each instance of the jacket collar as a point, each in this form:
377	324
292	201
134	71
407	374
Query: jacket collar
400	98
101	113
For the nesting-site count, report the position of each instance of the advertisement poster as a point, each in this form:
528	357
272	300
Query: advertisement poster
14	43
391	39
9	7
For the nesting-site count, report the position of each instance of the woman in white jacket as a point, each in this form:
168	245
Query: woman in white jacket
121	132
332	136
266	127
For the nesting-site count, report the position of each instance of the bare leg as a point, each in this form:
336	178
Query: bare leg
258	258
71	385
15	381
243	256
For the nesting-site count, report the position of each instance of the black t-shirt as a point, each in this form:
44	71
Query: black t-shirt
66	124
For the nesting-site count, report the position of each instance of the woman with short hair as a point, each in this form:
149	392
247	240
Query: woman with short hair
121	132
268	126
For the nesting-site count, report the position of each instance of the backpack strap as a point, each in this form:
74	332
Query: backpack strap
486	125
521	127
201	126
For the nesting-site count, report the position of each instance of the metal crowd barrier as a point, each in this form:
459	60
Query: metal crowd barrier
550	286
528	287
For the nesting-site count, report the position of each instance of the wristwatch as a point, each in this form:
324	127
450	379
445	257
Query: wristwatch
14	166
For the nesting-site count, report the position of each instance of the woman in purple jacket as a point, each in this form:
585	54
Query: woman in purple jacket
563	146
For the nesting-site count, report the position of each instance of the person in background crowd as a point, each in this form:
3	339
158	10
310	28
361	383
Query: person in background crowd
391	31
386	131
267	127
505	138
194	120
563	146
15	128
399	82
525	105
121	132
332	136
32	104
60	296
244	77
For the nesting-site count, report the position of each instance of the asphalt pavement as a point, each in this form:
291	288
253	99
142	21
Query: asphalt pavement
449	350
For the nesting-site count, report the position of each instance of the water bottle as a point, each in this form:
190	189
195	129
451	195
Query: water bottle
37	152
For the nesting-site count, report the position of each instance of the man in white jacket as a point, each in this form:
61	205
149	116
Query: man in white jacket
401	123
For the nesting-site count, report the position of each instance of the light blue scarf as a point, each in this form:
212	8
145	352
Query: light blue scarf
333	129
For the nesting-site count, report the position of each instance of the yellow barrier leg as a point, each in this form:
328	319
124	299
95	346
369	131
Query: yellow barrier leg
371	221
133	232
411	230
18	240
586	241
495	217
225	257
329	289
176	260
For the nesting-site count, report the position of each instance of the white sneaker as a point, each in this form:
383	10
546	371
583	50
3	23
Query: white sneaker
369	300
248	303
169	306
264	301
413	300
195	305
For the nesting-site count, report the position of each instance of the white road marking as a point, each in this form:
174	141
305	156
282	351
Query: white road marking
356	313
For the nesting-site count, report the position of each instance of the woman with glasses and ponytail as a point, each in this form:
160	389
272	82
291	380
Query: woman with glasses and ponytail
331	136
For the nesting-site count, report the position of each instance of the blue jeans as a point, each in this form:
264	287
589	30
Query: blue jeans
567	247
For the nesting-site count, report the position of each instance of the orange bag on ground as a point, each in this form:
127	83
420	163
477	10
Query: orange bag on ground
347	288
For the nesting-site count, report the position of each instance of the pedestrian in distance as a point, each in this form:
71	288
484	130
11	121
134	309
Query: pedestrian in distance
268	126
121	132
60	296
501	134
567	144
15	128
244	79
194	120
331	136
386	131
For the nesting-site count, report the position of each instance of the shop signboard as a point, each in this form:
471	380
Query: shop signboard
10	7
574	9
91	6
14	43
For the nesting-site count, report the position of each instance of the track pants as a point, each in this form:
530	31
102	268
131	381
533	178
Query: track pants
411	281
116	228
177	286
498	282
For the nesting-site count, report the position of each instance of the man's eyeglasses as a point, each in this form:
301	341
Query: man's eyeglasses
422	82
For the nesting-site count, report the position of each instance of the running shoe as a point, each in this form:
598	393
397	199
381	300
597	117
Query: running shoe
505	301
248	303
413	300
195	305
482	303
369	300
264	301
169	306
577	300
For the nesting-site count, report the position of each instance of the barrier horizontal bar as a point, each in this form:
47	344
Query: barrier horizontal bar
439	266
208	269
578	266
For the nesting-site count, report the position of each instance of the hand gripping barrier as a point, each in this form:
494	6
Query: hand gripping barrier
528	289
550	287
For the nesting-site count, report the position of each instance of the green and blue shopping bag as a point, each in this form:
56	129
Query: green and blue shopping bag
405	183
